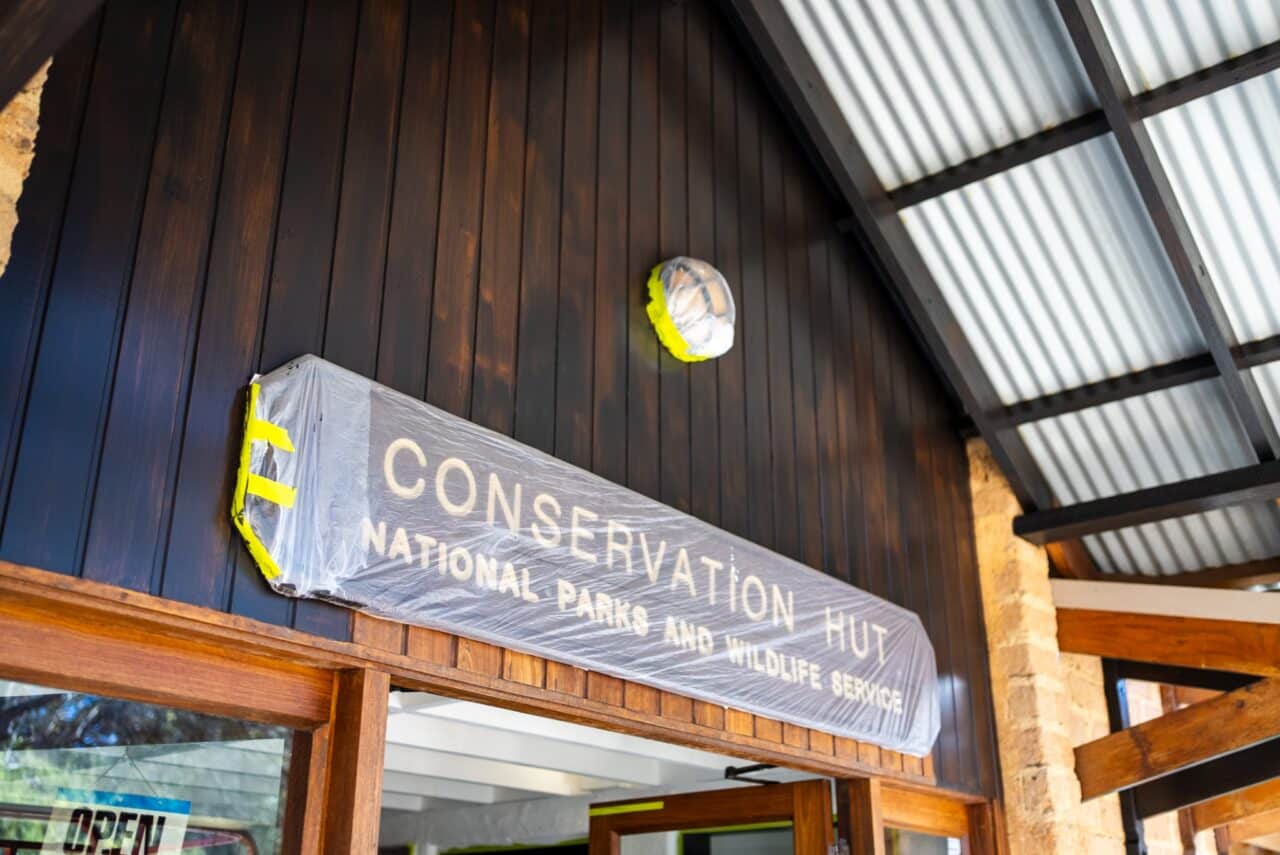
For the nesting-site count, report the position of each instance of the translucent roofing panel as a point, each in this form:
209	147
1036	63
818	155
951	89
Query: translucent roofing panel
1220	153
926	85
1055	274
1161	40
1268	379
1155	439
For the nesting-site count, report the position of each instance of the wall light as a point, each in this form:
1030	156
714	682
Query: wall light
691	307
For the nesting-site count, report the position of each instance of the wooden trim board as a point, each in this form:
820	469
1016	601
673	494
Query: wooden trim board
93	613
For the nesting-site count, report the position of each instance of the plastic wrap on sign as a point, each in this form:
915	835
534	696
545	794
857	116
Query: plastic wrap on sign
352	492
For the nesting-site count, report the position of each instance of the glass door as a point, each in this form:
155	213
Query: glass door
777	819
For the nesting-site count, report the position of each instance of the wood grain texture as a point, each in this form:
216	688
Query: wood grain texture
294	666
1251	800
859	812
353	800
1247	648
1194	734
463	201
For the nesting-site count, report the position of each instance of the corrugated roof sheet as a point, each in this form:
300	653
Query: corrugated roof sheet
928	85
1220	153
1055	273
1053	269
1155	439
1161	40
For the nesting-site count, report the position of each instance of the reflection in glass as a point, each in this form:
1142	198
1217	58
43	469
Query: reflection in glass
231	772
899	841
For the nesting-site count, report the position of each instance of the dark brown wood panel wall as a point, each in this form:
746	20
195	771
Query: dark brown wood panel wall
464	201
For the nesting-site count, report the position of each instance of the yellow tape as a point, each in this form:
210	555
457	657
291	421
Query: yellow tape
250	483
273	491
633	807
662	321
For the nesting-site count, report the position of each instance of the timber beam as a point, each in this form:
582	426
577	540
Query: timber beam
1222	645
1208	780
1187	737
1242	804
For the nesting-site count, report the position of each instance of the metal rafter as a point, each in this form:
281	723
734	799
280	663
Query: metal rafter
1190	370
1247	485
1125	120
1173	94
784	55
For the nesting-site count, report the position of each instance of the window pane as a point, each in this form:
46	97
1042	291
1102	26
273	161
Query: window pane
81	767
898	841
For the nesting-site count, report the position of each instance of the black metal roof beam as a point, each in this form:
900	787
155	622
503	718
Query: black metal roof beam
785	57
1250	484
1190	370
1208	780
1120	108
1175	93
1176	675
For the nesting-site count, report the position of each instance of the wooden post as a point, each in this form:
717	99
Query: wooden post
356	747
858	812
811	818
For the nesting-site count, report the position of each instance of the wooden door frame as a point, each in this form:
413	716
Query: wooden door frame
86	636
806	804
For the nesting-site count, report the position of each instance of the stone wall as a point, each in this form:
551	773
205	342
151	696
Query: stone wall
1046	703
19	121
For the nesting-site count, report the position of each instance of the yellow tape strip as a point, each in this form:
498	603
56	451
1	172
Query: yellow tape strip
273	491
634	807
662	321
250	483
269	432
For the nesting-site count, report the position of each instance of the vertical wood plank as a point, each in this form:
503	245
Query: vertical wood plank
704	403
576	310
786	537
301	264
709	715
853	564
358	734
643	426
540	270
673	239
731	380
795	736
430	645
566	679
378	633
858	813
57	460
479	658
813	830
360	241
132	500
641	699
675	706
823	743
768	729
804	396
524	669
449	368
201	549
497	307
605	689
739	722
831	464
42	207
614	285
754	310
411	242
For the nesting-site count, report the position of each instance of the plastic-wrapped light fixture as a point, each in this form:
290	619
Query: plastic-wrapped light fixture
691	307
